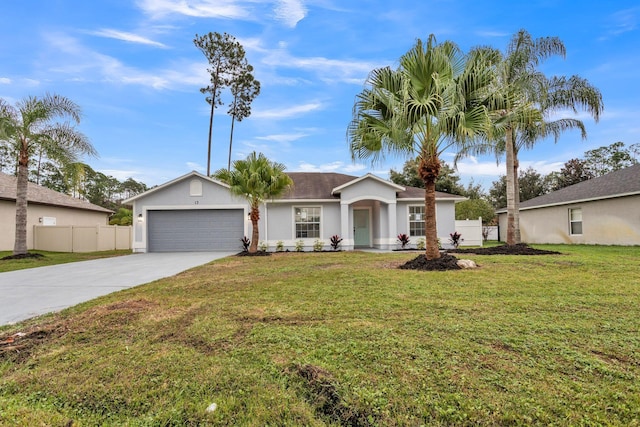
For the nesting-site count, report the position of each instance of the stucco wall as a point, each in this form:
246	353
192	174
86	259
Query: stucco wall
279	216
63	216
445	218
604	222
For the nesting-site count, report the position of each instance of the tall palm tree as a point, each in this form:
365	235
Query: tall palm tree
434	100
524	106
31	127
257	179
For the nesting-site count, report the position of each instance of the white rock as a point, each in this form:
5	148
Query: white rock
212	407
467	263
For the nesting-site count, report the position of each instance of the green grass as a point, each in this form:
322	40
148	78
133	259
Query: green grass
343	339
52	258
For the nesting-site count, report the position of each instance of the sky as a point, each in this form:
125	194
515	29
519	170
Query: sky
132	67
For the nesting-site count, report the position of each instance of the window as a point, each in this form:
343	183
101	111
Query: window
416	221
575	221
307	222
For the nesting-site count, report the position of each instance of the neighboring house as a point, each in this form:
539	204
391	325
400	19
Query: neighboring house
197	213
45	207
603	210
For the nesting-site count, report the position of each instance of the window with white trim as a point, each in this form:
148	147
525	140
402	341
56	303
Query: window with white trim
575	221
307	222
416	221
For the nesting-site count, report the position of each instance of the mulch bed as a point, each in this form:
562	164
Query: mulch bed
519	249
259	253
445	262
22	256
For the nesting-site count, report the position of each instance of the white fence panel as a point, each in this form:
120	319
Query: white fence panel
471	230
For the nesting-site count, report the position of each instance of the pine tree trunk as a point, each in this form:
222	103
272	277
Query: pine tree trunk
233	120
20	245
213	107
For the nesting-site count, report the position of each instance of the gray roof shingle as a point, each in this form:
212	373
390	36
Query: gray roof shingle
614	184
45	196
319	186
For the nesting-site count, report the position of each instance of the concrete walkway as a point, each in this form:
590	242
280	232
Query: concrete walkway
36	291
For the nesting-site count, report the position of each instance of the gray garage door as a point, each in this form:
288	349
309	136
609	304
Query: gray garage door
195	230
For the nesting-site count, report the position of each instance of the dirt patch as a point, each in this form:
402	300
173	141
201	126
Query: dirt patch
18	346
322	392
519	249
444	263
28	255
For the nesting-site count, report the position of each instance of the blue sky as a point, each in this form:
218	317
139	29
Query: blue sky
132	67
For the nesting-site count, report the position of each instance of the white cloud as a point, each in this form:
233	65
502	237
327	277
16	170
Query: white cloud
5	80
286	113
290	12
336	166
127	37
196	167
287	138
195	8
84	64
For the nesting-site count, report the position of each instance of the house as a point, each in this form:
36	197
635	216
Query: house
198	213
603	210
45	207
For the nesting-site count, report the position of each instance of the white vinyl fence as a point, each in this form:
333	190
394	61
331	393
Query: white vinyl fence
471	230
70	238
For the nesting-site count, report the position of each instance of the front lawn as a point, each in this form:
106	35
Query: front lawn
52	258
342	339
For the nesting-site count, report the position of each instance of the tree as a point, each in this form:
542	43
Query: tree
530	184
434	100
601	161
573	171
523	106
475	208
31	126
123	216
226	59
448	181
257	179
244	89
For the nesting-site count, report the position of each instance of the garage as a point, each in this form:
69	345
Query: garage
195	230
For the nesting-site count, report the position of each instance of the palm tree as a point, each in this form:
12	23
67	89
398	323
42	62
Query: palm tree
29	128
436	99
523	106
257	179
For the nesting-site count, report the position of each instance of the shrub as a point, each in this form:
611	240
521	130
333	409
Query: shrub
421	243
299	245
263	246
455	239
279	246
403	239
318	245
245	243
335	242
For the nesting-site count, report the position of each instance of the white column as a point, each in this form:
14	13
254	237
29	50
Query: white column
393	225
347	234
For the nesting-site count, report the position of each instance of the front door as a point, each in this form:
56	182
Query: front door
361	233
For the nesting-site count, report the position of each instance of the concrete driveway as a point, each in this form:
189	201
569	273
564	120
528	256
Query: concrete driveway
36	291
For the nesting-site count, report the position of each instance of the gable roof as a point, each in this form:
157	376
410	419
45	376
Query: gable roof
173	181
620	183
327	186
44	196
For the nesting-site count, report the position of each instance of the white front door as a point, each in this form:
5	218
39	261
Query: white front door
361	234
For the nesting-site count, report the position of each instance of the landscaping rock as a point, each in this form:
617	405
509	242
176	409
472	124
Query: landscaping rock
467	263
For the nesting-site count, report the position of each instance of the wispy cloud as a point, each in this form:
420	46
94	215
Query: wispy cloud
127	37
622	22
196	167
336	166
84	64
5	80
195	8
285	138
287	113
290	12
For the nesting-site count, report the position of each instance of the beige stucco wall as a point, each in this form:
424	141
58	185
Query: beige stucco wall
604	222
63	216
